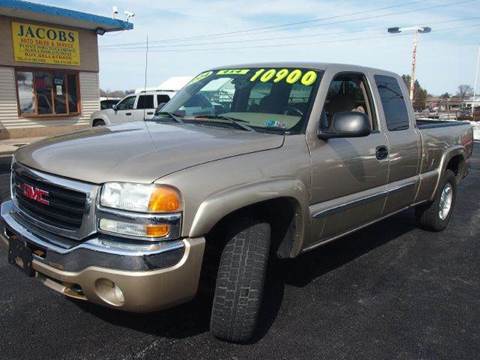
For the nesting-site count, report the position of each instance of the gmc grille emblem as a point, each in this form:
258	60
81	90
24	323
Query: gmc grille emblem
35	194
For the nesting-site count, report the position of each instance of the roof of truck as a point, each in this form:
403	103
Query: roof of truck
308	65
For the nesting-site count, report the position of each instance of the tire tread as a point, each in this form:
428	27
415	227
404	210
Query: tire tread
240	281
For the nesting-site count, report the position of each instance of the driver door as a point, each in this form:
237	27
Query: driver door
124	110
347	173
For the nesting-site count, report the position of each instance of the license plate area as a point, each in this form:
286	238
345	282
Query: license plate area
20	255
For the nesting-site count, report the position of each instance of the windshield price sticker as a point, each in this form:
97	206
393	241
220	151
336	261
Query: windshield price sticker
289	76
233	72
200	77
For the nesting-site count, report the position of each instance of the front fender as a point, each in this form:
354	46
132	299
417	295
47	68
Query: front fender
217	206
100	115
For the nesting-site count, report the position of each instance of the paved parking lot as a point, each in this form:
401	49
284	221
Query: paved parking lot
390	291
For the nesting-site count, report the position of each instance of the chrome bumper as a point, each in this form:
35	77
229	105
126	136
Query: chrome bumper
150	276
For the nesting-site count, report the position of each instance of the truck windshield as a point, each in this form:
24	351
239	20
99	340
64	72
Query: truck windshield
263	99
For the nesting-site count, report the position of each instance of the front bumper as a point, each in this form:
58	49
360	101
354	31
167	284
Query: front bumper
134	277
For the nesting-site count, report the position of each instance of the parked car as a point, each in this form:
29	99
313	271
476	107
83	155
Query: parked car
296	155
138	106
133	107
476	114
108	103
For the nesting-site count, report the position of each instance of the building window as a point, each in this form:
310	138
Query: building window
47	93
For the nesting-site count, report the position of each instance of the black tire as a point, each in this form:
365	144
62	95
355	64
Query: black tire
240	281
428	215
98	122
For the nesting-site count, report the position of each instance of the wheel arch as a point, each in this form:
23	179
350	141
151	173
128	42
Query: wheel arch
282	203
98	119
455	160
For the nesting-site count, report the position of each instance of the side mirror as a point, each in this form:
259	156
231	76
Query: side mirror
114	107
345	125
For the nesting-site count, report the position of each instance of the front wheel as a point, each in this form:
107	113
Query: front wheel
240	281
436	215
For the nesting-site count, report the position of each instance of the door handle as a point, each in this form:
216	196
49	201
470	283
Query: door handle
381	152
128	114
150	113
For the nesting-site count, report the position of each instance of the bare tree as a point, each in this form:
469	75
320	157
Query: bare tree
464	91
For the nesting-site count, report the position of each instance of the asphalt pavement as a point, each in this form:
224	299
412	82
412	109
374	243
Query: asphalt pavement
390	291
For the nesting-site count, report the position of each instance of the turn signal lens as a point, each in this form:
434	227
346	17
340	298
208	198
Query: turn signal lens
134	229
160	230
164	199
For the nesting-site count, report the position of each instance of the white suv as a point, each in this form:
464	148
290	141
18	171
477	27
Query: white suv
134	107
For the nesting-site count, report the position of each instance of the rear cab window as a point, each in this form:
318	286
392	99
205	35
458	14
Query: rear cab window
145	102
162	99
393	103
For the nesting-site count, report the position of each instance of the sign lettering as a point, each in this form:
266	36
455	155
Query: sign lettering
45	45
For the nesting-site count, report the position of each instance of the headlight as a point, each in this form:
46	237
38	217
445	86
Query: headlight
149	198
157	209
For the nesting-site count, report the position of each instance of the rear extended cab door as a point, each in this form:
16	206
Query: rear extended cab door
403	140
144	107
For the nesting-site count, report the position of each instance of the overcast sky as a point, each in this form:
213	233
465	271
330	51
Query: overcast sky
188	36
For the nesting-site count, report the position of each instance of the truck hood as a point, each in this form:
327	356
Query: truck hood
139	151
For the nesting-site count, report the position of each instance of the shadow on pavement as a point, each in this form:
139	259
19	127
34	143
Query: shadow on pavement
193	318
311	265
179	322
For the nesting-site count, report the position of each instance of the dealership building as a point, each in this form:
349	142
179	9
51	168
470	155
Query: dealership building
49	68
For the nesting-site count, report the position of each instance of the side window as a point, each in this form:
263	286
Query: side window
162	99
127	103
393	103
348	92
145	102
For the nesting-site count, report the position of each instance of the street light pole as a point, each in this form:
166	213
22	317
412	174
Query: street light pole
475	84
416	30
414	64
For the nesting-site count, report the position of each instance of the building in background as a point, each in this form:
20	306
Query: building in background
49	68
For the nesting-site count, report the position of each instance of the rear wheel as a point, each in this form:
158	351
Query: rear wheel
436	215
98	122
240	281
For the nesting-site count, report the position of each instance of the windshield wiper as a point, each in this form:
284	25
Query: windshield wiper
170	115
238	122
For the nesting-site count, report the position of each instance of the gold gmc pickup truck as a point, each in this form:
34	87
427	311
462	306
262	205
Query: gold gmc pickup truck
245	164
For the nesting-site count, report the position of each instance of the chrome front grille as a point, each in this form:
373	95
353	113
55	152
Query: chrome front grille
56	204
58	207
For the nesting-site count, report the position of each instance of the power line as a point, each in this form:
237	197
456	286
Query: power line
279	37
360	38
280	26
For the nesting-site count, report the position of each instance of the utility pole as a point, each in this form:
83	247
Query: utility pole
475	83
417	30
